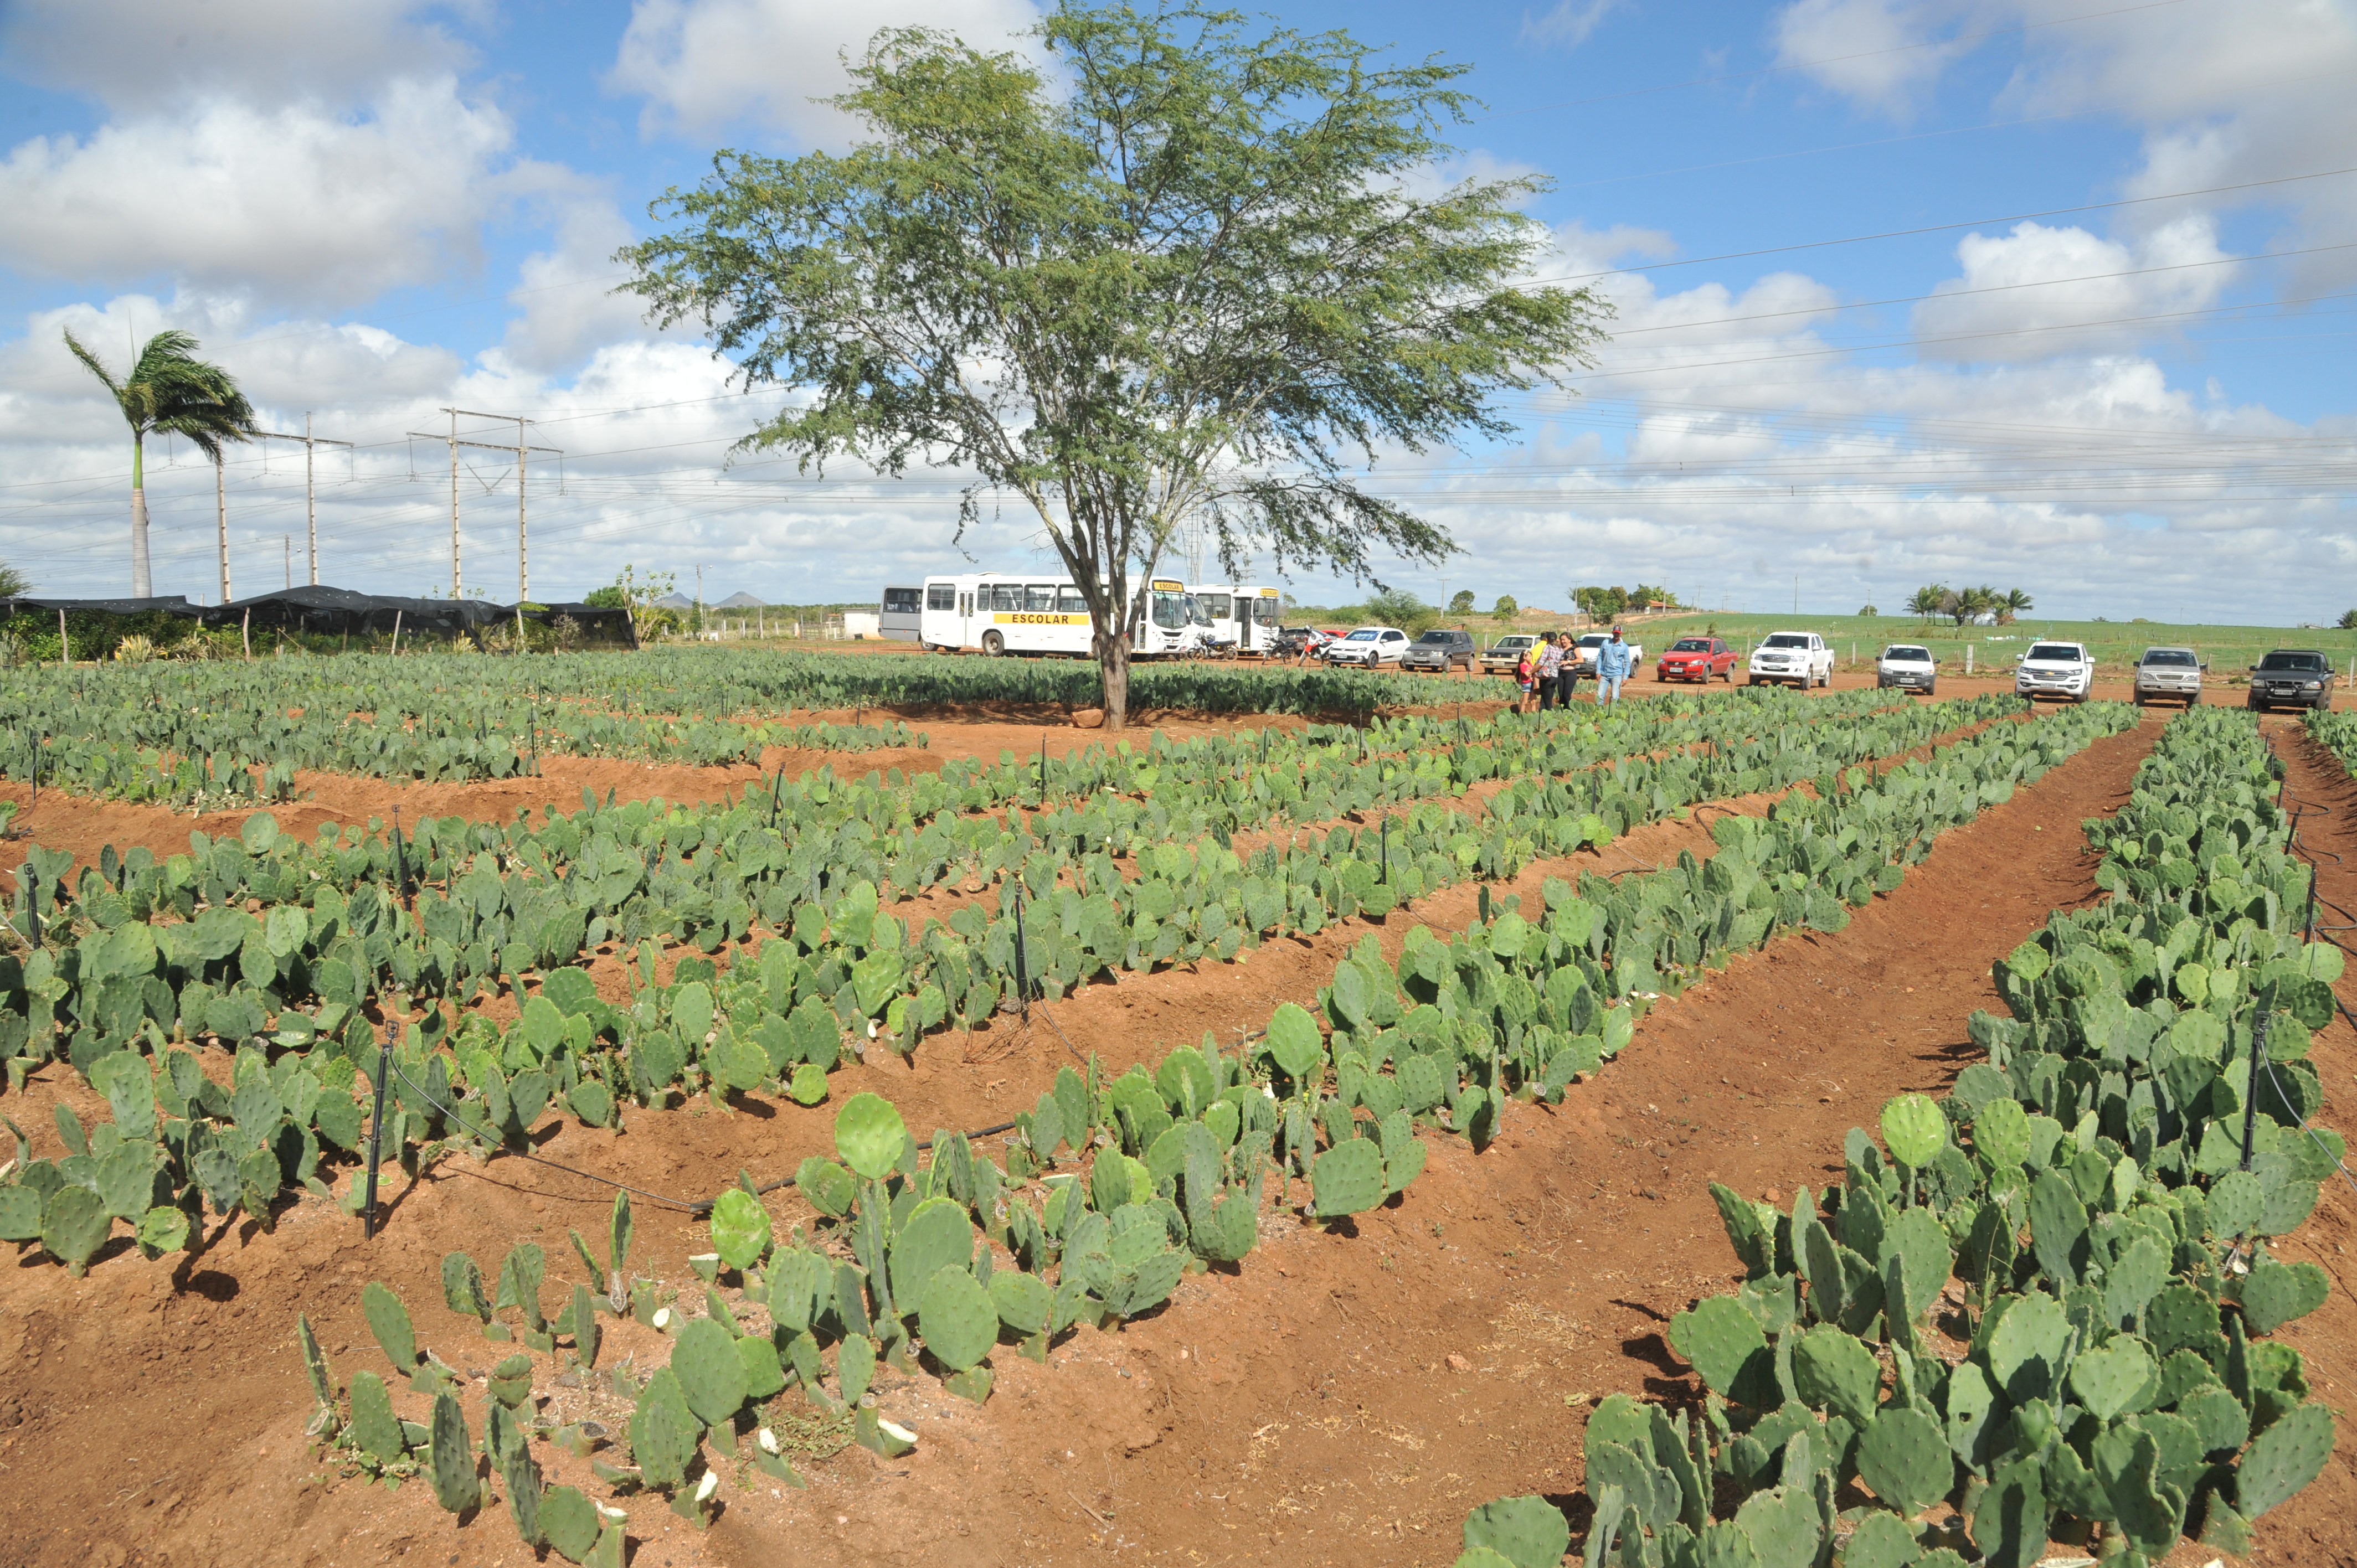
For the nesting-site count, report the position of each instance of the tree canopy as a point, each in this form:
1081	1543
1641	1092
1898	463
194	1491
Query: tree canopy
1207	272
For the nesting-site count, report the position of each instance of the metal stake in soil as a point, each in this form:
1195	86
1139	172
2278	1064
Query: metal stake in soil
376	1140
2251	1088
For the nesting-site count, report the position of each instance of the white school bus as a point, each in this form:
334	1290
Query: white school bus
1013	612
1244	616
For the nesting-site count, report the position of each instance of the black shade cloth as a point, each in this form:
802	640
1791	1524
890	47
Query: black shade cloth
170	604
333	612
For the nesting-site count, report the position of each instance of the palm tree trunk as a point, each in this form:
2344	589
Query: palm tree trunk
142	586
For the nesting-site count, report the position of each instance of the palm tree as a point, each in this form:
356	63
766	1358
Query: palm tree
1928	600
169	390
1967	604
2014	604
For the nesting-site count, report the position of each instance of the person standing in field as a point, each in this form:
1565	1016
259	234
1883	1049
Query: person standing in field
1525	674
1611	668
1567	670
1550	666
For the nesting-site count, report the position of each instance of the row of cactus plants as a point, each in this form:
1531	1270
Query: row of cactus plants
2041	1306
1168	1171
777	1023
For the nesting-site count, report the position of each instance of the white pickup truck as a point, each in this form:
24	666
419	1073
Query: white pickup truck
1800	657
1585	651
2064	670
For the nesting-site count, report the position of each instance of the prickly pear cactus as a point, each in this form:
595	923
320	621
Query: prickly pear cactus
389	1321
315	1365
2109	1378
374	1427
2275	1293
663	1431
710	1373
740	1228
1347	1178
585	1329
511	1380
1527	1532
1782	1525
74	1226
957	1317
569	1521
522	1474
1722	1340
462	1286
1904	1456
453	1458
2285	1457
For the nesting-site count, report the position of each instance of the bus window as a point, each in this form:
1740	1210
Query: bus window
941	596
900	601
1068	602
1170	611
1219	606
1005	596
1040	598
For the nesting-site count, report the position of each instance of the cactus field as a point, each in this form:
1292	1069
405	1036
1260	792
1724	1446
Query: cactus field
1733	1128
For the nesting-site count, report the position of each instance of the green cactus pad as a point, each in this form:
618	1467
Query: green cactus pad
163	1228
74	1225
462	1286
1346	1180
511	1380
854	1366
453	1459
1752	1237
1724	1343
800	1282
663	1431
765	1376
2058	1227
1913	1129
2219	1422
1783	1526
710	1375
2284	1458
586	1332
389	1321
2275	1293
1294	1042
957	1318
374	1427
2010	1521
1527	1532
569	1521
1881	1541
1621	1419
521	1273
522	1474
1904	1456
2127	1463
315	1365
870	1135
1833	1371
2180	1317
1651	1489
2001	1134
2110	1378
2025	1350
2235	1202
937	1234
1023	1301
740	1228
2135	1277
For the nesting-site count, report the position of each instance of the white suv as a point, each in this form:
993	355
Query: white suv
1368	646
2064	670
1800	657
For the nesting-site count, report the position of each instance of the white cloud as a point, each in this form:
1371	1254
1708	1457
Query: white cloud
2040	291
1876	52
565	294
128	53
702	63
311	206
1569	23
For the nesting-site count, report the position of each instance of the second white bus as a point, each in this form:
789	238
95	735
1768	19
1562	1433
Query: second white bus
1242	616
1008	612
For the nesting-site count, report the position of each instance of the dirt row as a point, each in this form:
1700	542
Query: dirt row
1343	1397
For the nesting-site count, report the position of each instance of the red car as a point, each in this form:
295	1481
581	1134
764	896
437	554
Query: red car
1697	659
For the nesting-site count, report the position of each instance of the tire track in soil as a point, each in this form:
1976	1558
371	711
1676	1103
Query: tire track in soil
1306	1408
2320	1525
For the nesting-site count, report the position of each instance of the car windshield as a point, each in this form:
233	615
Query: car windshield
1437	638
1903	655
1690	645
1365	633
2178	658
1786	639
2055	653
1513	642
2306	664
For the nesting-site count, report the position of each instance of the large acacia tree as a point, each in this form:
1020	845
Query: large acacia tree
1198	273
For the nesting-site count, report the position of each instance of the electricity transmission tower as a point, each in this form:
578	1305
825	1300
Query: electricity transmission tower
310	493
523	553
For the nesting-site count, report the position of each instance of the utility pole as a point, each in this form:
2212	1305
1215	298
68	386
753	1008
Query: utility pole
310	491
287	551
523	553
220	521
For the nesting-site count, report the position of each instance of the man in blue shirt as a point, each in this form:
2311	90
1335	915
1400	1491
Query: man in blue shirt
1611	668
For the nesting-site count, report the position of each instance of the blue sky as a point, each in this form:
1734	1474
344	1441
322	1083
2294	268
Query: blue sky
376	210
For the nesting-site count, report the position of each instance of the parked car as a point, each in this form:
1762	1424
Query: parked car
2174	673
2063	670
1800	657
2299	676
1368	646
1442	649
1697	659
1909	666
1293	641
1501	656
1585	651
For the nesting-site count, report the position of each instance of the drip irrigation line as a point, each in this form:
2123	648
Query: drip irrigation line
700	1205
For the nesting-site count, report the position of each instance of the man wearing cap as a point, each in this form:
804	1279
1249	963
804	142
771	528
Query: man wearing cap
1611	668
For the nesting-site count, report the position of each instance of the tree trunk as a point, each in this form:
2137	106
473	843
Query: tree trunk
142	586
1113	661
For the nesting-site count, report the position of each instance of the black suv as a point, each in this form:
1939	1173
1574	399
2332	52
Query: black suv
1441	648
2299	676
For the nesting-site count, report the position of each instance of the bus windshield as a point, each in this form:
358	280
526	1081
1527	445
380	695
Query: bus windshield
1170	611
